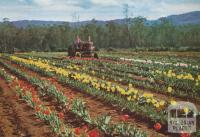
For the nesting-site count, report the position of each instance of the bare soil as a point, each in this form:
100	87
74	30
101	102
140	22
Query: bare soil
16	118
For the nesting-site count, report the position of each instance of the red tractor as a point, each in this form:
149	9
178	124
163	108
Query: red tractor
82	49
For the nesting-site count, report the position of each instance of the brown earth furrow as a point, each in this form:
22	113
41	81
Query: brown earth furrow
69	118
50	102
17	119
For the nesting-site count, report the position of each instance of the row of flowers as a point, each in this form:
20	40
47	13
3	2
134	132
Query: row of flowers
55	119
123	74
187	76
161	63
152	79
5	76
28	94
149	97
141	107
129	92
78	108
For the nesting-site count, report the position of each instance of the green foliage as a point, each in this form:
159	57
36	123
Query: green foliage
136	34
7	77
103	123
79	108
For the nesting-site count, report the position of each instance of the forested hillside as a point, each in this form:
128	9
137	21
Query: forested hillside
133	34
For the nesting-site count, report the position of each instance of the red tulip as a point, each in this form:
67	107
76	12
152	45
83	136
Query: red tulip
85	128
77	131
34	100
39	102
157	126
61	115
46	112
34	93
20	83
124	117
24	92
94	133
37	108
184	135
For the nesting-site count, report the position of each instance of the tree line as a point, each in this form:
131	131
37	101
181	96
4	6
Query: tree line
134	34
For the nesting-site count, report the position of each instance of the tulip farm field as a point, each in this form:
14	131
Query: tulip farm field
121	94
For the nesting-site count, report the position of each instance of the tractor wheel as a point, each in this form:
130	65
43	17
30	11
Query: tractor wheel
96	55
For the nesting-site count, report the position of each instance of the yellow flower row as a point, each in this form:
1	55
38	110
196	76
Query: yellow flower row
129	92
187	76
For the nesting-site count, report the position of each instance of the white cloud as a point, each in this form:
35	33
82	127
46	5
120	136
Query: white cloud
43	2
106	2
164	9
88	9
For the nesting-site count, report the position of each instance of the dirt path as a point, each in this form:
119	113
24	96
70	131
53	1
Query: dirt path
95	106
16	118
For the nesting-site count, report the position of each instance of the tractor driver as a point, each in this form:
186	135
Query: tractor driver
78	42
90	43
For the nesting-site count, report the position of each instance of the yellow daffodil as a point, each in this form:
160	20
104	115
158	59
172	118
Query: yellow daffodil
108	89
148	100
129	98
173	102
113	89
169	89
186	110
199	77
153	101
173	74
157	105
135	91
162	103
179	76
135	97
148	95
103	85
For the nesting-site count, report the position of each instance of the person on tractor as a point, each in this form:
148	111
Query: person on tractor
90	43
83	48
78	42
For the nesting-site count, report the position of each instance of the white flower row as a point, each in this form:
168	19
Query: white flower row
162	63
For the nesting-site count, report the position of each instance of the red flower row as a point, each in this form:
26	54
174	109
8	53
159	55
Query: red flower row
84	129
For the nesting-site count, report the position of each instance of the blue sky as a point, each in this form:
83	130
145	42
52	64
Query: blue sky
69	10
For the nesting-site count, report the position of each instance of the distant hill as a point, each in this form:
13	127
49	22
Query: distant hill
181	19
25	23
187	18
